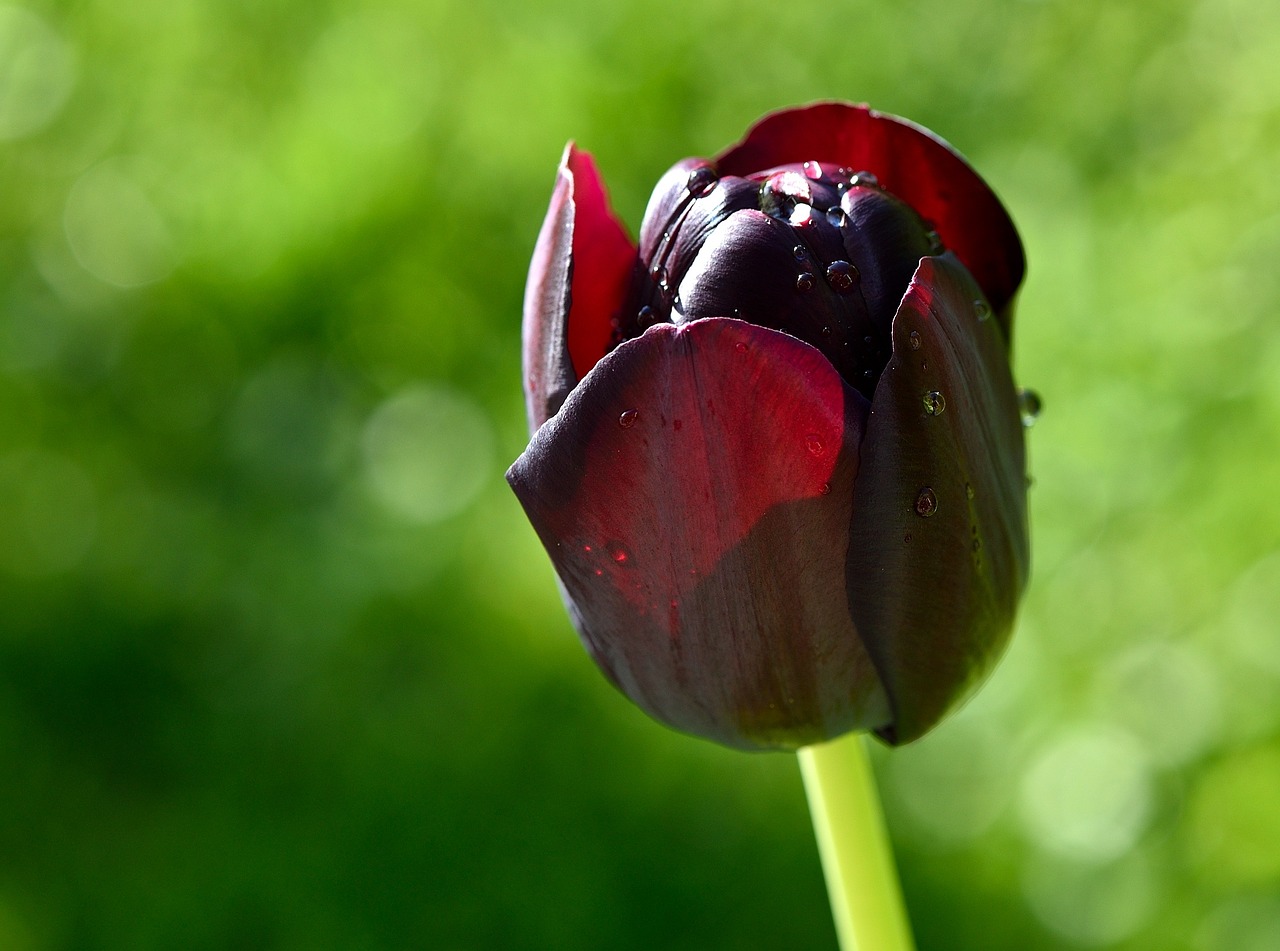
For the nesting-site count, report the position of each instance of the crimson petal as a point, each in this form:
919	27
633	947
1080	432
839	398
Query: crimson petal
939	551
581	268
695	495
912	163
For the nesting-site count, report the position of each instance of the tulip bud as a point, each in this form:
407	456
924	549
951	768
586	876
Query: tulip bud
777	459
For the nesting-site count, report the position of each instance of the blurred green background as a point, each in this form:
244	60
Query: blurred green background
281	664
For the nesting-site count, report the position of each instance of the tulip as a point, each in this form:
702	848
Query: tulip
777	458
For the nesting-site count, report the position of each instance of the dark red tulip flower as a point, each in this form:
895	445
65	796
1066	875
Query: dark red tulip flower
777	455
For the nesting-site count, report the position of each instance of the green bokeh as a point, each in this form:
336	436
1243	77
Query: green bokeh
281	664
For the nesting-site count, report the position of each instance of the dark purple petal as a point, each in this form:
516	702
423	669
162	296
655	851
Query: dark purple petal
912	163
939	552
687	204
695	495
581	268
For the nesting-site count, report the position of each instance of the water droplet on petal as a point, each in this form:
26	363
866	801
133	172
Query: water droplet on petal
981	308
865	179
824	489
812	170
814	442
801	216
799	253
842	276
915	340
646	316
907	538
804	281
627	418
740	347
618	552
701	180
934	403
926	502
968	490
835	217
1029	406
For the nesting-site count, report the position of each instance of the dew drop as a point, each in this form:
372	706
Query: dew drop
813	170
646	316
799	253
619	553
935	242
865	179
981	308
926	502
804	281
701	180
740	347
659	274
907	538
814	444
587	549
1029	406
835	217
627	418
801	216
968	490
824	489
915	340
842	276
934	403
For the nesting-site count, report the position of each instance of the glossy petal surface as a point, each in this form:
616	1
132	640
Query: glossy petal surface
578	277
695	494
913	163
940	550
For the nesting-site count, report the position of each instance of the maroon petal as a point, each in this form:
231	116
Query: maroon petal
912	163
935	575
581	269
695	494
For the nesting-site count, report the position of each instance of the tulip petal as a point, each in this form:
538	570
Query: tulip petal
913	164
695	495
581	268
936	572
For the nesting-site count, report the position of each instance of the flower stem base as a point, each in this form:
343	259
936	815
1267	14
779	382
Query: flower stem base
866	899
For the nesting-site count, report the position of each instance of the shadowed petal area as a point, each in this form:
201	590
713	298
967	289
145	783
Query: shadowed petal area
581	267
913	164
695	494
936	574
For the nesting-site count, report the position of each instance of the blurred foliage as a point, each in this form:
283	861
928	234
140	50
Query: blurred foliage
281	664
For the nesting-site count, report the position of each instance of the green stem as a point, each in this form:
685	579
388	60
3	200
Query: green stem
857	860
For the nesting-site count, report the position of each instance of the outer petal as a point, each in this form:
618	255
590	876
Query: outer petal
936	573
695	493
912	163
581	268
